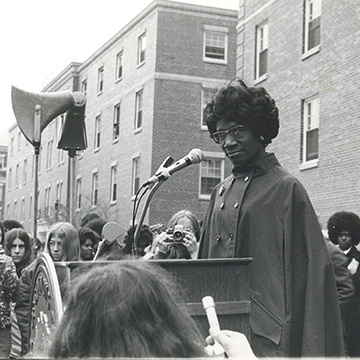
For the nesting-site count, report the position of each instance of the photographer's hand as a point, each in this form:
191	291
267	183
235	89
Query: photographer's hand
191	244
162	242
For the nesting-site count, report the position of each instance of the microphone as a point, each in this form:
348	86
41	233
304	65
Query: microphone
194	157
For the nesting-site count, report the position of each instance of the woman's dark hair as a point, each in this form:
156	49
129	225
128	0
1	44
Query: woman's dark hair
96	225
10	224
145	237
88	217
21	234
86	233
250	106
186	214
125	309
344	221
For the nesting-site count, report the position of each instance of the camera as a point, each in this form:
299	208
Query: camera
177	233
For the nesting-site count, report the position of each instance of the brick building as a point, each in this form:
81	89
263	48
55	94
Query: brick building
145	91
305	54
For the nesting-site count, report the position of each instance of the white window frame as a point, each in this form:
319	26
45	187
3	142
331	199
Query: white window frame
97	136
22	213
84	86
206	96
210	34
262	45
47	200
310	122
141	56
312	12
19	141
95	188
25	171
113	183
59	191
2	161
2	191
9	179
49	154
116	122
15	209
135	174
139	107
78	192
119	65
208	155
17	175
100	83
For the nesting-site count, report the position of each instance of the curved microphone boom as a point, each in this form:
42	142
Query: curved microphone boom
194	157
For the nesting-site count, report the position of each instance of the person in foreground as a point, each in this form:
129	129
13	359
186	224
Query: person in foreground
263	212
127	309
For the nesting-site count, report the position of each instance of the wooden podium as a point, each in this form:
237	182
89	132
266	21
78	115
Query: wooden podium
226	280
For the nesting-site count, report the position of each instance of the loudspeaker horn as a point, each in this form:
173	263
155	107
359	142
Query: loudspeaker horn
29	107
73	133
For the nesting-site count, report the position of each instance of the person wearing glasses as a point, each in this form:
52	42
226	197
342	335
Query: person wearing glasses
262	212
344	231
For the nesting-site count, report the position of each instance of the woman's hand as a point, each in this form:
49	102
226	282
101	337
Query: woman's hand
235	344
191	244
162	242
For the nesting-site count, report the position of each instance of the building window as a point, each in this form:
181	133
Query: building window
59	126
49	154
116	122
312	24
207	96
78	193
141	48
215	44
138	109
59	192
310	136
2	161
47	201
100	86
95	189
97	132
39	160
2	192
135	175
19	141
10	179
22	218
30	208
262	35
15	210
84	87
12	146
113	183
17	175
211	173
119	66
25	171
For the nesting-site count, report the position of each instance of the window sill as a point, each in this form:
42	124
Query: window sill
215	61
77	210
310	52
97	150
100	92
118	80
93	207
260	79
136	131
112	203
115	141
204	127
309	164
141	64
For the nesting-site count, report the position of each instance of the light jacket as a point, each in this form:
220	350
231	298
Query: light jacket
262	212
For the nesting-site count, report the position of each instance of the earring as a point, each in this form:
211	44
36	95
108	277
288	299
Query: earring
261	138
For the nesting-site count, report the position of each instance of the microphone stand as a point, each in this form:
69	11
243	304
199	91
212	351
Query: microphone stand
143	213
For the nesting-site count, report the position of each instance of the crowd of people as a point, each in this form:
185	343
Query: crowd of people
304	284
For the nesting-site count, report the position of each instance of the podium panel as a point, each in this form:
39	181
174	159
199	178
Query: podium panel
226	280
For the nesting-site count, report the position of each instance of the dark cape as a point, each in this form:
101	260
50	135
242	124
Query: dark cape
263	212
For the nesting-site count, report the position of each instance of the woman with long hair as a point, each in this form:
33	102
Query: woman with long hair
18	246
125	309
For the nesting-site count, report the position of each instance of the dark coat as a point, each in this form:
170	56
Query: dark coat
262	212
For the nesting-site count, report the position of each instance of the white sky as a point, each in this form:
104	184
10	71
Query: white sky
39	38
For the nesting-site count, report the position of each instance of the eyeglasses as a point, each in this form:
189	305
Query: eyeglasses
235	132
